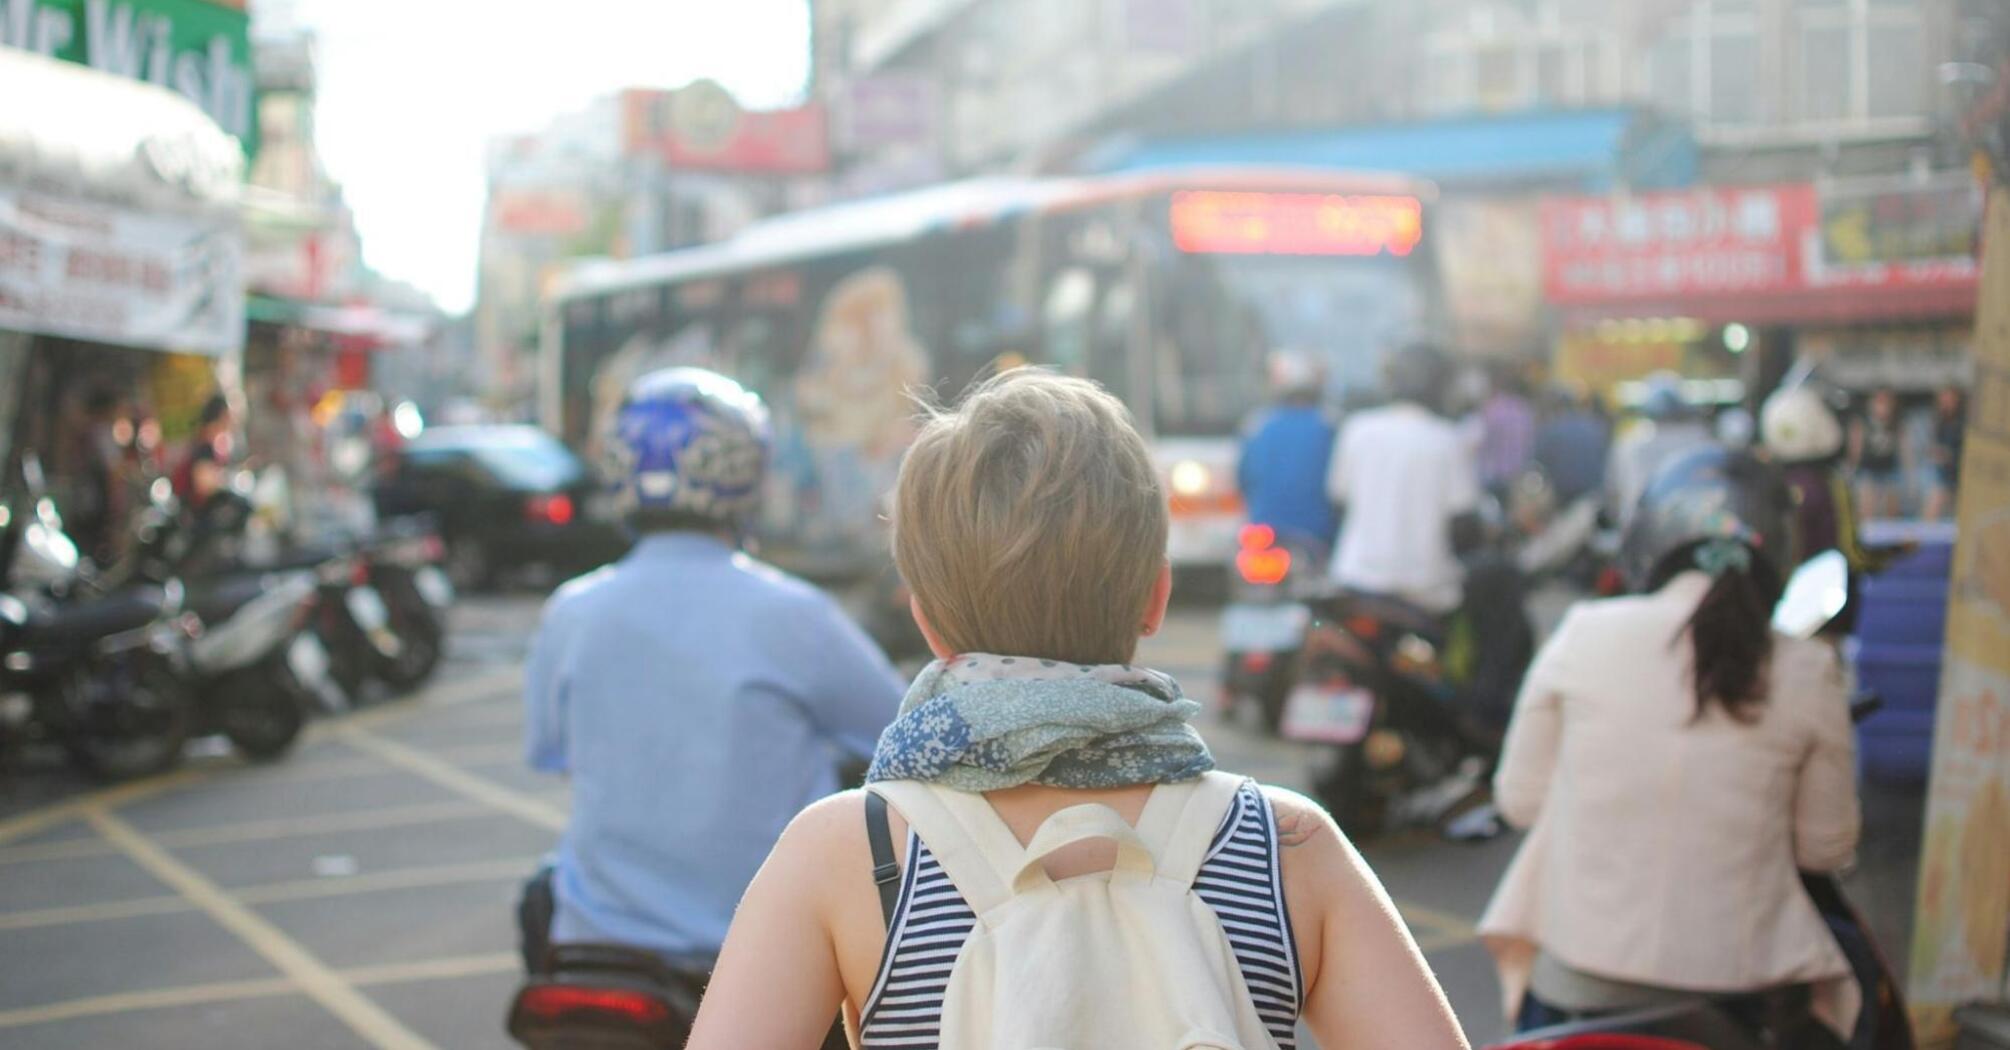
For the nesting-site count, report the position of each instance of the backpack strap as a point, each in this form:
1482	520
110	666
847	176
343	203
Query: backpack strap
1180	820
885	873
966	836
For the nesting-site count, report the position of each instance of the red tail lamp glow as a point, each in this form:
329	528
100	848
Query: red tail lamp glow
1261	561
553	1002
556	509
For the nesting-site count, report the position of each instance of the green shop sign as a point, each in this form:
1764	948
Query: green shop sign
198	48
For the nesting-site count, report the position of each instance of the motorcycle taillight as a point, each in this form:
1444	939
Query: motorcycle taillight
1260	560
571	1002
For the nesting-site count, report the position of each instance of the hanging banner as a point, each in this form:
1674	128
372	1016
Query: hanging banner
112	275
1962	925
200	49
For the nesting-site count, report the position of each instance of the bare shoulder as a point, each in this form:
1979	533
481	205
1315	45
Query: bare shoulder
1299	819
828	825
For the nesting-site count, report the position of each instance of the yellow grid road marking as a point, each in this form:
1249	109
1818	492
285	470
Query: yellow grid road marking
491	686
260	988
261	830
518	804
126	1002
435	969
508	869
515	868
322	984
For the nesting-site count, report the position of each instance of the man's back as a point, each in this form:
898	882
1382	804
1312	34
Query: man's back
1283	470
698	700
1402	474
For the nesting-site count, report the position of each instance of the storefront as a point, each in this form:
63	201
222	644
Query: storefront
1857	275
1873	283
121	287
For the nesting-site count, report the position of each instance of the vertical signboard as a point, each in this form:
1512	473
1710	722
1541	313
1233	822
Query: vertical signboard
1962	928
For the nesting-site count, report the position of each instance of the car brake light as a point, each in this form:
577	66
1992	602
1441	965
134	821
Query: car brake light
1602	1042
554	1002
1256	538
556	509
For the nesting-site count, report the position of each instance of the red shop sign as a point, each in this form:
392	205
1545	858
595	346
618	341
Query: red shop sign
1714	241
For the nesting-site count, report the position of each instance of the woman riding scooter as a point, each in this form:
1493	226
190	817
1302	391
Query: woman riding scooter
1677	762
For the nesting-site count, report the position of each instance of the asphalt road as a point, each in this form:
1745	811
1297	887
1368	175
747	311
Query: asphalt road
359	894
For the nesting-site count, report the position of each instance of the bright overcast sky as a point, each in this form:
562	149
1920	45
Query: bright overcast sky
412	90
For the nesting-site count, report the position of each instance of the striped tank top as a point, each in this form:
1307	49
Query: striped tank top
1241	880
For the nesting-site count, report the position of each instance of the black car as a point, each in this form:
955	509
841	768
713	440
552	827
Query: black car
503	498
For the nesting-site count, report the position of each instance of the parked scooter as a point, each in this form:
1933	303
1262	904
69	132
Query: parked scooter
100	675
406	568
1273	582
1813	598
253	667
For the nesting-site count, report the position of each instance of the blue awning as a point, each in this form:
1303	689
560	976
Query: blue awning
1590	149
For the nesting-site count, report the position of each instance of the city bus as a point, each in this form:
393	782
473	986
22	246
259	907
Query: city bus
1170	288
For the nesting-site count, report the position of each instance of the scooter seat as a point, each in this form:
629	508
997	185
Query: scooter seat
1393	612
86	621
216	600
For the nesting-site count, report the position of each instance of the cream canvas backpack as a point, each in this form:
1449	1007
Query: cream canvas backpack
1127	959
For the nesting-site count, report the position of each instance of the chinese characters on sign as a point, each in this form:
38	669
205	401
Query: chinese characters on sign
1703	242
1755	245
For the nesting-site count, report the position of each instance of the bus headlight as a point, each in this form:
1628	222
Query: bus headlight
1190	478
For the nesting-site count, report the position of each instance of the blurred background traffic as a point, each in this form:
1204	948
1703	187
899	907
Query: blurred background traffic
314	316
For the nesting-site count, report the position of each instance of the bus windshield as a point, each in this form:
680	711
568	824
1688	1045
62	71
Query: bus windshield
1224	314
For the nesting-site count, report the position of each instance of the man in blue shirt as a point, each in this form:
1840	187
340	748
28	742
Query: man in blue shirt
697	699
1286	457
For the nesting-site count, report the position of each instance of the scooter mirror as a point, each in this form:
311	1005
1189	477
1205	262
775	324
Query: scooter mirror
1814	596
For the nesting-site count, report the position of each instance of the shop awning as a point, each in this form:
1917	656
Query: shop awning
75	132
1594	149
363	325
121	196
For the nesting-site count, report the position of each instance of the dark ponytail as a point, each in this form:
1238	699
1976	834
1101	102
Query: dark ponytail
1731	633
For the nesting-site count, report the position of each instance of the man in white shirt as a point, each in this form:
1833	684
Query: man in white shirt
1406	480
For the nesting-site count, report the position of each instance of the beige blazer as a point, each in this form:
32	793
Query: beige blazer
1663	851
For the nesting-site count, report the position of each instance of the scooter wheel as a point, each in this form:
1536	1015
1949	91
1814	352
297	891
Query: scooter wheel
265	725
130	719
419	650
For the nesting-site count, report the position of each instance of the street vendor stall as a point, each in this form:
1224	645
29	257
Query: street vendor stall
121	289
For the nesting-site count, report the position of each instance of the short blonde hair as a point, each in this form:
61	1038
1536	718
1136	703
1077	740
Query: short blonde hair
1029	521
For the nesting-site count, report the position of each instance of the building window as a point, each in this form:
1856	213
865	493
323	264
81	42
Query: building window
1515	53
1707	63
1859	60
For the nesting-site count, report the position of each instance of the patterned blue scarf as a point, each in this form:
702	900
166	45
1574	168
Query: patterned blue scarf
985	723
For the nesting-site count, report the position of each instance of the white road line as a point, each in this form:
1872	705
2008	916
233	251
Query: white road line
322	984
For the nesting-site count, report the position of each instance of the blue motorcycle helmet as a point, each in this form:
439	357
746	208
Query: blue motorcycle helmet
693	449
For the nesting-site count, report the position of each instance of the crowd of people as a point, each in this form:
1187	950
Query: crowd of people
957	898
